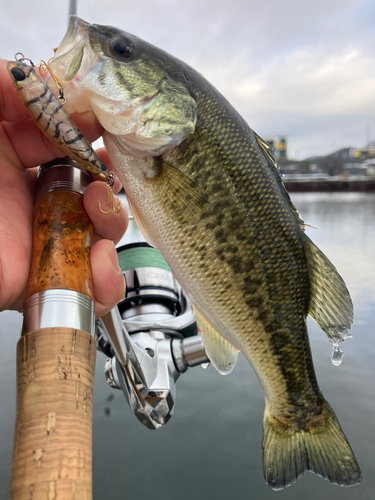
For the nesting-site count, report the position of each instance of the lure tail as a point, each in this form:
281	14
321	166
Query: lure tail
319	447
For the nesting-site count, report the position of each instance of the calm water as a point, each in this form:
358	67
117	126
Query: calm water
210	449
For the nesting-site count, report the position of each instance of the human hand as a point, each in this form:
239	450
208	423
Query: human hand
23	147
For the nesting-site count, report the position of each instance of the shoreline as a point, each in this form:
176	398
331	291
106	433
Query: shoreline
358	183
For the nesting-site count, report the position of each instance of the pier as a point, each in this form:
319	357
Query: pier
313	182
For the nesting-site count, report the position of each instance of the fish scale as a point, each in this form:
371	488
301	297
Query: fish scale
206	192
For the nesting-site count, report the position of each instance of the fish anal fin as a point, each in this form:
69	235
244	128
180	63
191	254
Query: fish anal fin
220	352
330	305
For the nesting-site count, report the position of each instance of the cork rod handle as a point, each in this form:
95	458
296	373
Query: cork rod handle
52	453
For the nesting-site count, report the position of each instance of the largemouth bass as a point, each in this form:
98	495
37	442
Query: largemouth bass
52	119
205	191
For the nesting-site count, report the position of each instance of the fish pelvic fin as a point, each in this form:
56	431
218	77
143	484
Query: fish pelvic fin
330	305
322	449
219	351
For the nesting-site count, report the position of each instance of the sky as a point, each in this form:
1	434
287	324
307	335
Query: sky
303	69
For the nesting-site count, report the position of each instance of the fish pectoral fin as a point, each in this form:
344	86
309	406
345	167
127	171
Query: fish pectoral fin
181	191
330	305
220	352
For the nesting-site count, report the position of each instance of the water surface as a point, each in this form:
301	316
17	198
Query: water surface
211	448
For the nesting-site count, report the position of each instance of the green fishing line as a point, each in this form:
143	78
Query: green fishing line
133	258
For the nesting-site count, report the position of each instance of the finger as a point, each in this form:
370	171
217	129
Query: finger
108	280
111	225
34	148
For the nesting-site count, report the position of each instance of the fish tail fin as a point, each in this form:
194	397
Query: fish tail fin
322	449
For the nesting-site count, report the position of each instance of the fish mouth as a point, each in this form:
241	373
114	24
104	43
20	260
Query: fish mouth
69	57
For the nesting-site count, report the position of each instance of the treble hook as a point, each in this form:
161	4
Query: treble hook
110	184
45	65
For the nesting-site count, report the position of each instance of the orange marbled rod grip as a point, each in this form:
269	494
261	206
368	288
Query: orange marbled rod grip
62	238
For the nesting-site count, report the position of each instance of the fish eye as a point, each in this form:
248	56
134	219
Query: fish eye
18	74
121	48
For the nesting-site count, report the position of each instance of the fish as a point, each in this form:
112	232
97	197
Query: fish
52	119
206	191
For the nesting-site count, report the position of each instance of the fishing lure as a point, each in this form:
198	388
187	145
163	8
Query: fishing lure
54	121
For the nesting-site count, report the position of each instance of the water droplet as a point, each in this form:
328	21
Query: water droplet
205	365
337	355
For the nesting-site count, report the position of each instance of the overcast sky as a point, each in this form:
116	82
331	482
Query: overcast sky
300	68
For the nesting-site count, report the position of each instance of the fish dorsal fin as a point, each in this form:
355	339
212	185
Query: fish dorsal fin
266	148
330	305
220	352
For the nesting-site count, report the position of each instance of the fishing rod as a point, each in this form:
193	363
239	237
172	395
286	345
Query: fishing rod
56	352
72	8
150	338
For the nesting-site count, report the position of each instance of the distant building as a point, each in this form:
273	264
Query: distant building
357	153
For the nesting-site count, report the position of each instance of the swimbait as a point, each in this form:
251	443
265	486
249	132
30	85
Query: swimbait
52	119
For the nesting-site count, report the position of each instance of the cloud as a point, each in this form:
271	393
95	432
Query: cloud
304	69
